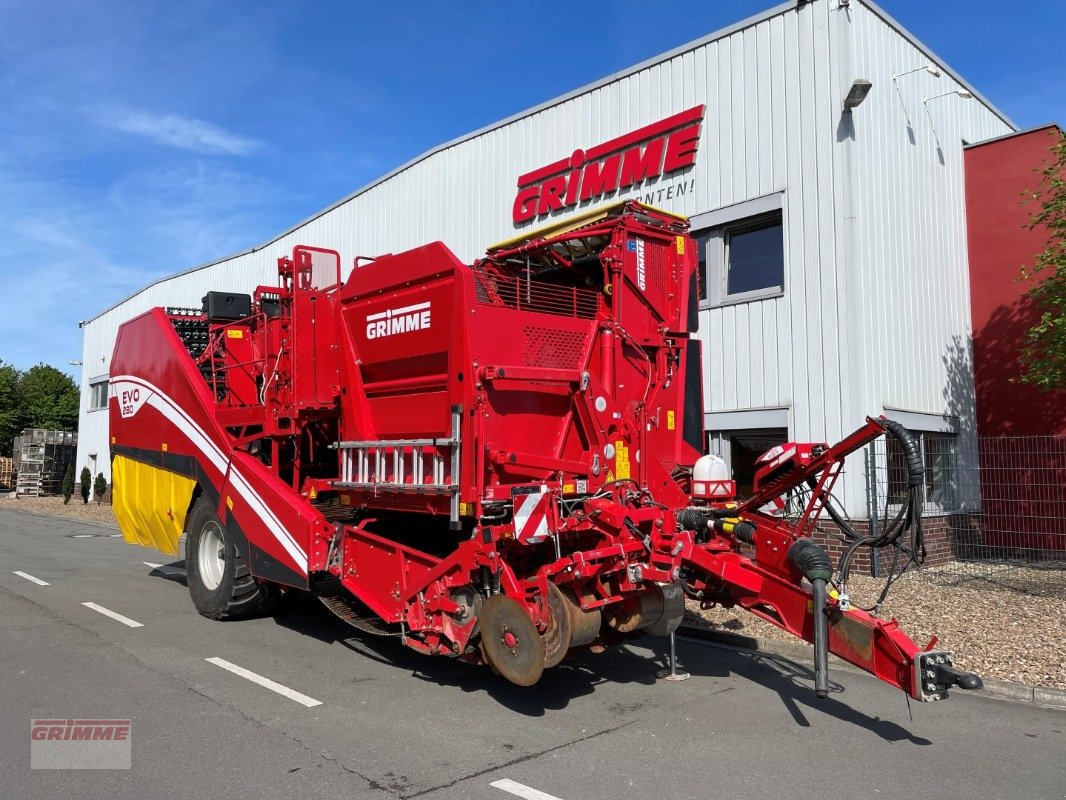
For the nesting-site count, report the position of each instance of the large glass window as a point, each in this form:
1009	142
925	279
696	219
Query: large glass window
755	255
743	259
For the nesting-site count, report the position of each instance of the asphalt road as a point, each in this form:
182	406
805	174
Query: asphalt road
392	724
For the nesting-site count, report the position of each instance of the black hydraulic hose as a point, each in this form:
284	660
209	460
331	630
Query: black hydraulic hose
911	451
834	513
810	559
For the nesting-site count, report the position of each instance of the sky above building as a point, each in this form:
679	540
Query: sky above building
138	139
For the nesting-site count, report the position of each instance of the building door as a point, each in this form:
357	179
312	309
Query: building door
740	449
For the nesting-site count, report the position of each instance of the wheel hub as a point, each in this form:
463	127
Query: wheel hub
211	555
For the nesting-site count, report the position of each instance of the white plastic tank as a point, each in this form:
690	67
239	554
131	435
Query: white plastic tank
711	479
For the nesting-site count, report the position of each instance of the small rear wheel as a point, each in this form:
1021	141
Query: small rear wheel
220	584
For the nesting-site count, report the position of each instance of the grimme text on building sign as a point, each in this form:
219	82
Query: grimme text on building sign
658	149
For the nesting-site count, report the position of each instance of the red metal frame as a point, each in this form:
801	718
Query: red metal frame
493	428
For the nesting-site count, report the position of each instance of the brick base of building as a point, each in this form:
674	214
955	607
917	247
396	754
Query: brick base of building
948	537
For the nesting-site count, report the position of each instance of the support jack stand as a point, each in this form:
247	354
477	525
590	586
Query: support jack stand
672	674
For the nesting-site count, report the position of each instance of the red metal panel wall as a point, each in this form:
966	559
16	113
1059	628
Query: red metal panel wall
1000	242
1020	511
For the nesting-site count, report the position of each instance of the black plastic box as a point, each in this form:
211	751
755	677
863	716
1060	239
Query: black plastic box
227	306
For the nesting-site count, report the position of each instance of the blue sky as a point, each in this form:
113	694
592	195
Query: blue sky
139	138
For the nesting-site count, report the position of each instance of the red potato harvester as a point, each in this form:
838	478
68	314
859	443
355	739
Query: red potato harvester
499	462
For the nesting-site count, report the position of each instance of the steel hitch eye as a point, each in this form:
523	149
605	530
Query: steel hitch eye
935	673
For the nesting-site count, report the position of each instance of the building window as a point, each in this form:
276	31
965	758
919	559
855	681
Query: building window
741	252
755	255
98	395
940	455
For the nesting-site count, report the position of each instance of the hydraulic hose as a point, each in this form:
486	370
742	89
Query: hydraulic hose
810	559
911	452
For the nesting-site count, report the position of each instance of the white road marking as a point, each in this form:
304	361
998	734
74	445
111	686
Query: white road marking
520	789
285	691
164	568
83	536
109	613
32	579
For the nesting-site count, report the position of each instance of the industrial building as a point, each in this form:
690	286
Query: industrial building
818	149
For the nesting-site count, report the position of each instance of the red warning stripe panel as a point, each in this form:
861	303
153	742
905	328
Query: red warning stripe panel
531	516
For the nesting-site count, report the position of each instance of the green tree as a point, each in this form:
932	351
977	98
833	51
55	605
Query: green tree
11	414
100	487
1043	355
68	484
86	484
49	398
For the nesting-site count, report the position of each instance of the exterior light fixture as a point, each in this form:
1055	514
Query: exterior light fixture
965	95
932	69
860	87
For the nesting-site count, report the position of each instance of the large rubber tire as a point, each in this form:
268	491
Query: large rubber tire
221	587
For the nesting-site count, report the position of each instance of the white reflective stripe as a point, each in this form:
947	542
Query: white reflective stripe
194	434
183	422
522	511
521	790
255	502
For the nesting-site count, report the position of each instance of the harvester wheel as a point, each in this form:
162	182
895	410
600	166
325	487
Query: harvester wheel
510	641
559	634
219	581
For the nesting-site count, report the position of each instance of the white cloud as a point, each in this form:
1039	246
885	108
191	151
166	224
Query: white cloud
187	134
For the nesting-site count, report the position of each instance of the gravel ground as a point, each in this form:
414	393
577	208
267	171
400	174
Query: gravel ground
978	611
1002	621
75	509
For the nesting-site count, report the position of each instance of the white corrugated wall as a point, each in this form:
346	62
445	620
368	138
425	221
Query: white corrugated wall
772	89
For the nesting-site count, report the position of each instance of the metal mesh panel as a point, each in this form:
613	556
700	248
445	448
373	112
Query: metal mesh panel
554	348
655	265
526	295
995	507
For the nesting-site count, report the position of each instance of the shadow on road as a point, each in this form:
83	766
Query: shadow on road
583	672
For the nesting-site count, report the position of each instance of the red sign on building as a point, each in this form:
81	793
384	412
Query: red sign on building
658	149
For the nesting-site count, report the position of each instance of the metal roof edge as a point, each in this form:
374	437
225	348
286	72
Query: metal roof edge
1012	134
889	20
590	87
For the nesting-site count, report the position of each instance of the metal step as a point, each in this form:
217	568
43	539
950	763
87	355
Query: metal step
413	466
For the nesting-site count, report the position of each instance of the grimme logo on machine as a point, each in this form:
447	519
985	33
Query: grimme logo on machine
658	149
398	320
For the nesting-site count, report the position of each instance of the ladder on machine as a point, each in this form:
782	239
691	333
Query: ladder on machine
413	466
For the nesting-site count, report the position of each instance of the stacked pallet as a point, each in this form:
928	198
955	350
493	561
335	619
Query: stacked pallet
40	458
7	471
